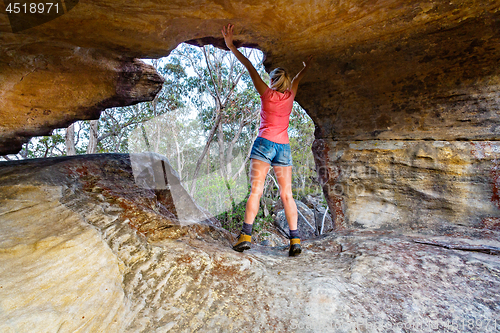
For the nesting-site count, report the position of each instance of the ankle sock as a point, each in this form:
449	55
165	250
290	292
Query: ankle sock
247	228
294	233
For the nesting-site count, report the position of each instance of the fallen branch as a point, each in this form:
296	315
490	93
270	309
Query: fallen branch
463	247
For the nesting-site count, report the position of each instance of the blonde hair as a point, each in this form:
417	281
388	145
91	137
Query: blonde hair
280	81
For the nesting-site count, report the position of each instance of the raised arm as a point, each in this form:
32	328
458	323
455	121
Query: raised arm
260	85
300	75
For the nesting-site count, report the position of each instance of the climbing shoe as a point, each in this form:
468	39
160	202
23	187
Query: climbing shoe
243	243
295	248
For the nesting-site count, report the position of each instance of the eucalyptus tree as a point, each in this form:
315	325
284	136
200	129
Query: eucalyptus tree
227	103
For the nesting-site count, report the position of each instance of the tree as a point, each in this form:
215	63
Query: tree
217	82
93	137
301	133
229	110
70	140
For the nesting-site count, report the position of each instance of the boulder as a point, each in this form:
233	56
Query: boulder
270	238
323	219
312	201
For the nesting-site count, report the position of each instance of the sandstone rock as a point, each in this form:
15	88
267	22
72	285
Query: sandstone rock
404	96
410	184
99	257
58	274
77	83
403	74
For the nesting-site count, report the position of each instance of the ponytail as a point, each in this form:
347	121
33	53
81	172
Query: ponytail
280	81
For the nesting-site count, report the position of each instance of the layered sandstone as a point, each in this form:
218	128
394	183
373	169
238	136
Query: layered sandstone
411	184
404	95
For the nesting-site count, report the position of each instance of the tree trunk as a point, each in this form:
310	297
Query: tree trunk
208	169
24	151
70	140
222	159
92	147
223	170
179	157
207	146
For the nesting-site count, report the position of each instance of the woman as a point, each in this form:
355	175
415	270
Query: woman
271	148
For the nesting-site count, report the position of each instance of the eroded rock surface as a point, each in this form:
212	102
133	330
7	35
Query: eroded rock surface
411	184
403	92
84	248
42	92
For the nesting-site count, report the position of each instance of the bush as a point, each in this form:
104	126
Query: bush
232	220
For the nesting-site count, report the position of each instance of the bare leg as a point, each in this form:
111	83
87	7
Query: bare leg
284	176
258	173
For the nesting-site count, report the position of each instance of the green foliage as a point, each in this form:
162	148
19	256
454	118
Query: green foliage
46	146
214	195
232	219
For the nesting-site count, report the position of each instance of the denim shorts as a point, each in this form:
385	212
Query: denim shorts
276	154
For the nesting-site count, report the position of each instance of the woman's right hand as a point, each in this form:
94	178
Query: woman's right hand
228	35
308	61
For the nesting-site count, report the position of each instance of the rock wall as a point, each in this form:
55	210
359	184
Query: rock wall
416	146
410	184
86	248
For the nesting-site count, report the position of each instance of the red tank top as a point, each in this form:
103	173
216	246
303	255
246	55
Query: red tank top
275	115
